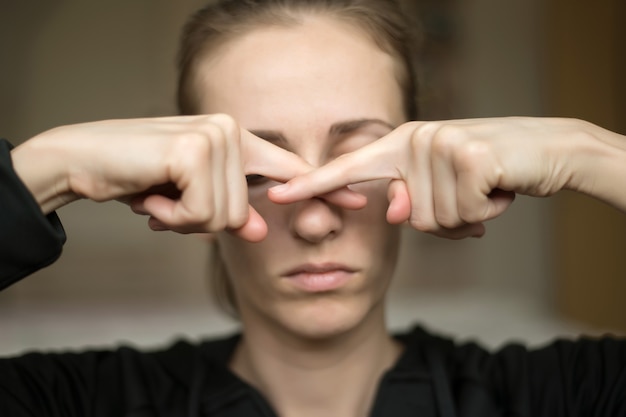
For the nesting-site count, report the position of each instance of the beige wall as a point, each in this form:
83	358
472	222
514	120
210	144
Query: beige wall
73	61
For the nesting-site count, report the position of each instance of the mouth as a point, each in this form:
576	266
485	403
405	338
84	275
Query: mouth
321	277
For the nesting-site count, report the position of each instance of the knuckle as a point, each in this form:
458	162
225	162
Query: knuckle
226	122
207	129
197	216
197	146
448	220
422	136
447	138
471	155
216	225
468	216
421	223
206	214
426	139
222	119
470	213
237	220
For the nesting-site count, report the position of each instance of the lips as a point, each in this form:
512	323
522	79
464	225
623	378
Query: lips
320	277
318	269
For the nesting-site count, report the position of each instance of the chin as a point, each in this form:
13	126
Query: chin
324	318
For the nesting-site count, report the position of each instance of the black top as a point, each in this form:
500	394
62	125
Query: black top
433	377
28	240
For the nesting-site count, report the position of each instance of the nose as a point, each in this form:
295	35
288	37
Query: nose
316	220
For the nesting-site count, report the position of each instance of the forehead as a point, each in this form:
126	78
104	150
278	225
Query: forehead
311	73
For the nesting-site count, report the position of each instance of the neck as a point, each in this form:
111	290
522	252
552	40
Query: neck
333	376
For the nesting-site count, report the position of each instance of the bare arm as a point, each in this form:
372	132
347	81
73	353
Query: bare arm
186	173
447	177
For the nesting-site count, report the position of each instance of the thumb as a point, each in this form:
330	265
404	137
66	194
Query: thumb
399	209
255	228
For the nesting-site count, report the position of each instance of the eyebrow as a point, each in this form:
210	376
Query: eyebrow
337	129
273	136
349	126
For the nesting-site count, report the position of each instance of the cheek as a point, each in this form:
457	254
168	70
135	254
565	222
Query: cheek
245	263
232	249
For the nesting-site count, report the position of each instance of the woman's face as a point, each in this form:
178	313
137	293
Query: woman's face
319	89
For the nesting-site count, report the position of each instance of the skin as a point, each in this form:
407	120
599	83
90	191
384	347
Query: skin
275	83
188	175
159	167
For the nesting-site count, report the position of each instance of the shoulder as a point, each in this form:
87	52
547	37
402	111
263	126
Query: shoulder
582	347
178	359
165	378
584	371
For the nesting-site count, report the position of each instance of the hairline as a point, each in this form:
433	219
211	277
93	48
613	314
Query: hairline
211	50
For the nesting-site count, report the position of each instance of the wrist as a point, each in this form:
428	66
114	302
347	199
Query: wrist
43	168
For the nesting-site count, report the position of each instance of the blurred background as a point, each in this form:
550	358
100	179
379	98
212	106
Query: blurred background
547	268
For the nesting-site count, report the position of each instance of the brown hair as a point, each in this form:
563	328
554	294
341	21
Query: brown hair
223	20
220	21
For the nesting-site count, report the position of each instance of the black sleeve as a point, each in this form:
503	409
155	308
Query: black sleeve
29	240
589	376
123	382
586	377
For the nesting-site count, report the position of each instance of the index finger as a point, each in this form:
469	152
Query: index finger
368	163
264	158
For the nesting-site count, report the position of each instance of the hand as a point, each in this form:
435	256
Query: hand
447	178
186	173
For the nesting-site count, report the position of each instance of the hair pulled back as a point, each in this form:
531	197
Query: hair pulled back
223	20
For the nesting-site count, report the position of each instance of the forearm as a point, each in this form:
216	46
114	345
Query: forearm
599	164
